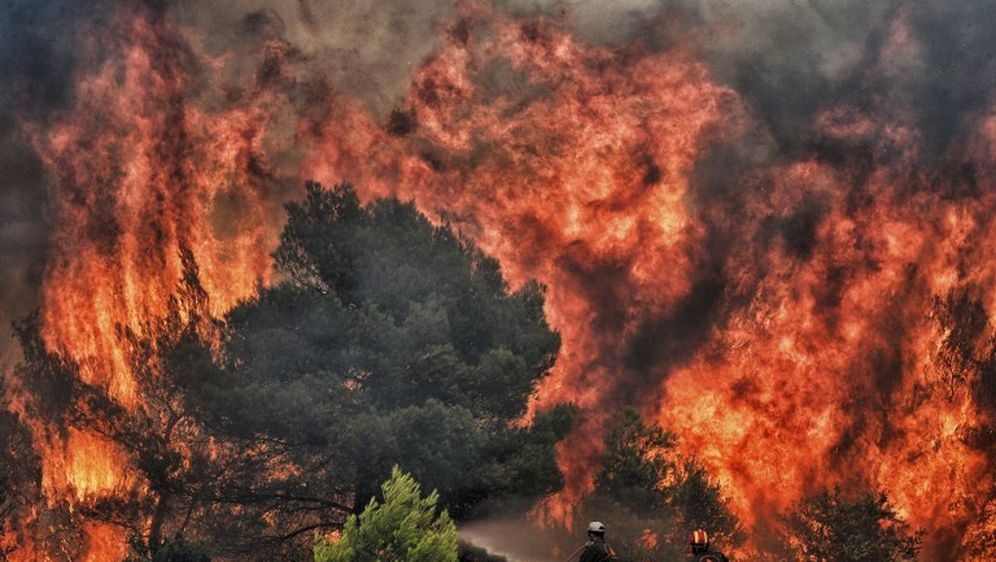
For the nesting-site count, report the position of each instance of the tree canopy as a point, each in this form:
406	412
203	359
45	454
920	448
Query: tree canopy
391	341
405	527
829	527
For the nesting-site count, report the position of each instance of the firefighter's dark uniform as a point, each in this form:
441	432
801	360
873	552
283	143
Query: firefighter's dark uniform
597	551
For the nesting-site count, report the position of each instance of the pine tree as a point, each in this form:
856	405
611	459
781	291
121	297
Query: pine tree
404	528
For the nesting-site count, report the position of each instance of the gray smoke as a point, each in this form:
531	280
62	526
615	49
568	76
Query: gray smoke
788	52
518	540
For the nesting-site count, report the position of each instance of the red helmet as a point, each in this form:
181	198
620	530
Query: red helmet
700	539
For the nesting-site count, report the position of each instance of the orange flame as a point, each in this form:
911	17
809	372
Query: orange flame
141	172
783	368
827	364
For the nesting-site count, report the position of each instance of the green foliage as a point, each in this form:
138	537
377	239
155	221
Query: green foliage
831	528
653	498
392	341
404	528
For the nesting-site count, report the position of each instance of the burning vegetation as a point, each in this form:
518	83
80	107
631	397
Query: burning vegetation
651	270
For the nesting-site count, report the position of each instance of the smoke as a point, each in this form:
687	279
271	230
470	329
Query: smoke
790	57
518	540
22	235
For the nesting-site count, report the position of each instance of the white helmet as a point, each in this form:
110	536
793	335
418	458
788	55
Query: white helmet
596	527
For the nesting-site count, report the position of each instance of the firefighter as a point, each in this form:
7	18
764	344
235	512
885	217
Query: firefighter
701	551
596	549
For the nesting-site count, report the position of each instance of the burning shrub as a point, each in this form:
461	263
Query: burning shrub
831	528
4	513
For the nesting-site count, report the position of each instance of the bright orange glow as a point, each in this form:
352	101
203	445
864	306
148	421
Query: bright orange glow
827	364
104	542
140	174
804	329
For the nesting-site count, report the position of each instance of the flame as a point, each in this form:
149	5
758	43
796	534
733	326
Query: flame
93	468
822	365
104	542
141	172
583	185
801	333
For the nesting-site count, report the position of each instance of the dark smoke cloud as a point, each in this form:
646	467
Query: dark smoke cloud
959	67
788	52
364	49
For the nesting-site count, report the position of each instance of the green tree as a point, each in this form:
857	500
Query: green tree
831	528
404	528
392	341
